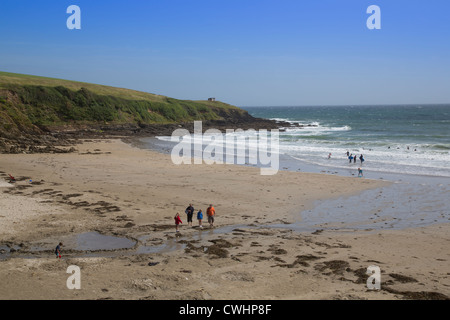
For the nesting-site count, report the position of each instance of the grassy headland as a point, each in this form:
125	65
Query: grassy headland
27	101
33	105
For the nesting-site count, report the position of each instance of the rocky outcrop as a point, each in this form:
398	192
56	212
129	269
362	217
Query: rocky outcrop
25	143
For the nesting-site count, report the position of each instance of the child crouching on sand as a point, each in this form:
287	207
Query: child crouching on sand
177	221
58	250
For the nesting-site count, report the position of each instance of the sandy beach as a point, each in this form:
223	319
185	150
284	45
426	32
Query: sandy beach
113	204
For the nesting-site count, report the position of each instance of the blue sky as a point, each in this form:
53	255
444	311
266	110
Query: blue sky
246	52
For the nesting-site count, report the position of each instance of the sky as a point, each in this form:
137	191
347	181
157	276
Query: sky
242	52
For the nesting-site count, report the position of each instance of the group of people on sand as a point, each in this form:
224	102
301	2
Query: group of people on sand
210	212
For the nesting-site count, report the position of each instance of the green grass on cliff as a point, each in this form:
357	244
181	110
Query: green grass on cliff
28	102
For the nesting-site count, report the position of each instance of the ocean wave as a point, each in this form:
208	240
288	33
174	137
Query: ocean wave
316	129
389	167
439	147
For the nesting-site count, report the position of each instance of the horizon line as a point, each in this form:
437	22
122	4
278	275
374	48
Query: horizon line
349	105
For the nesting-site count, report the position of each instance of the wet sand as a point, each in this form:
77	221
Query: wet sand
113	206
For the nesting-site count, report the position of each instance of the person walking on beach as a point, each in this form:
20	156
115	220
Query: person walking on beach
200	218
58	250
360	173
211	212
190	212
177	222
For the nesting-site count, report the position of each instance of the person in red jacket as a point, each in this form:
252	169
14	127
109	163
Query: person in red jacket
177	221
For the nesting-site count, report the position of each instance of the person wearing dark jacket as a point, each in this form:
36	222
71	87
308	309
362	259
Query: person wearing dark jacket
190	212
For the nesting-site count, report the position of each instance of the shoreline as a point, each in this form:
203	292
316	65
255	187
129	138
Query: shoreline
103	189
289	163
401	186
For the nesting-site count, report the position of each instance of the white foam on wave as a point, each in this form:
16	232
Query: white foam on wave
396	159
315	130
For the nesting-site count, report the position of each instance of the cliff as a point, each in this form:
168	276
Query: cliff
38	113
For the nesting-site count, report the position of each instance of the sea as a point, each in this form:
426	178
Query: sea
407	145
400	139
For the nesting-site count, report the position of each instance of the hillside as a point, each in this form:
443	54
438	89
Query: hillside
33	107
